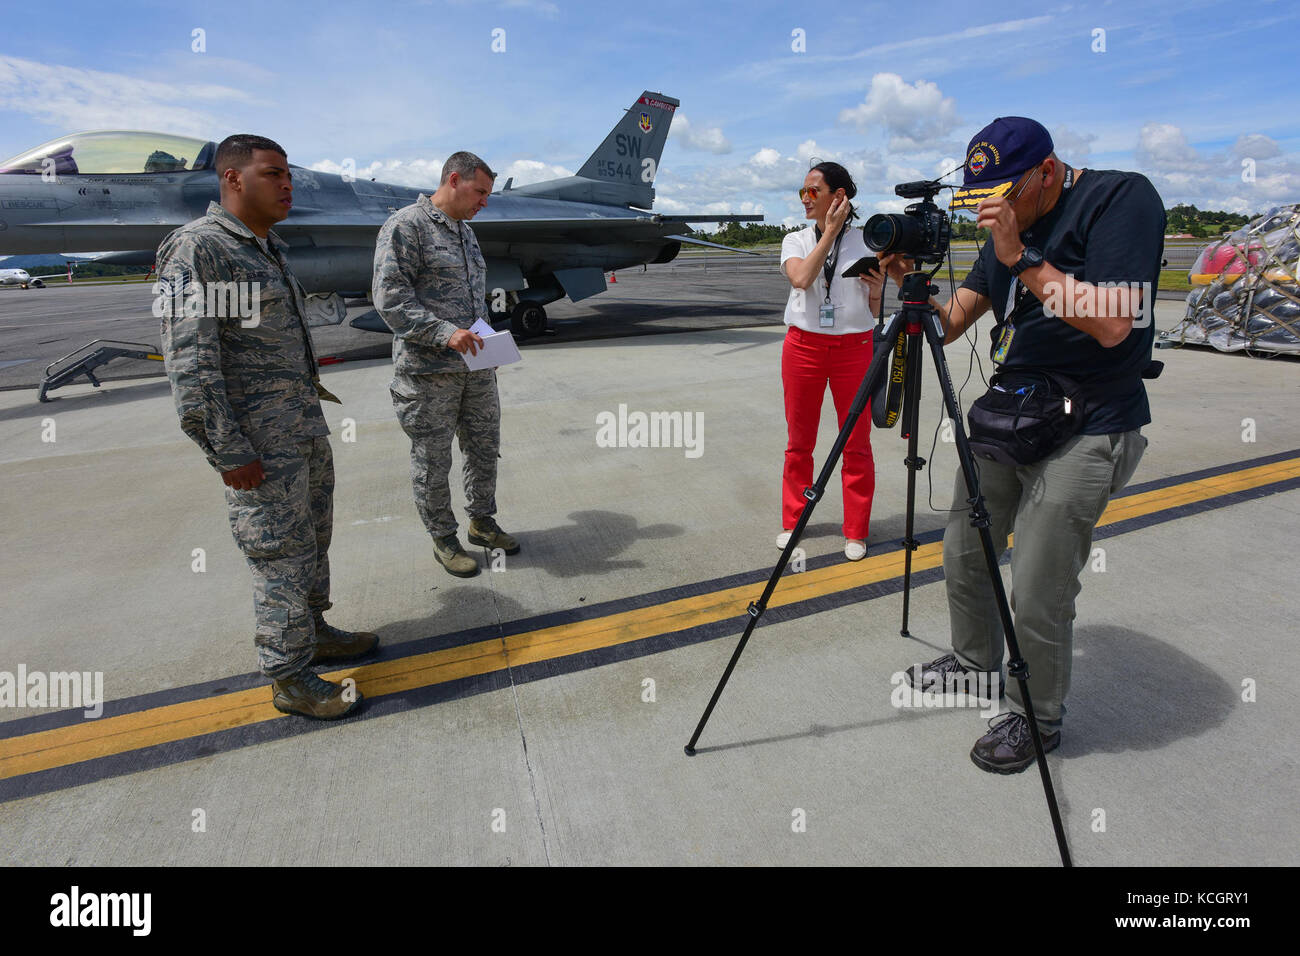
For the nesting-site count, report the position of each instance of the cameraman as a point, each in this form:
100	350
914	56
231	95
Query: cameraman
1088	243
828	343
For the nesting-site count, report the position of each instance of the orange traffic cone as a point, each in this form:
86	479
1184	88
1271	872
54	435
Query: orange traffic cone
613	279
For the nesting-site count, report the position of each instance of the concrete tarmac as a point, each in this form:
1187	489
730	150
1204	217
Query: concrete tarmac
38	326
536	714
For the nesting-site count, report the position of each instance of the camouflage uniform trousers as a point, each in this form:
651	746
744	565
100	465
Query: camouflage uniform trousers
432	408
283	526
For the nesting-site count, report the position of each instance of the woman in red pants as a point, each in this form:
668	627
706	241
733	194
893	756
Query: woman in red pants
828	343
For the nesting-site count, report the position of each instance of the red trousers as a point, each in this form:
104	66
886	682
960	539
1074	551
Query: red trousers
810	361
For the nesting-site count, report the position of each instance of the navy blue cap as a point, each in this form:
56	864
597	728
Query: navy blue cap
998	155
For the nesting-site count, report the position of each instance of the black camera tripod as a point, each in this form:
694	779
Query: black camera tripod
916	319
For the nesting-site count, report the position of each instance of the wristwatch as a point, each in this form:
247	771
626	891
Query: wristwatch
1028	259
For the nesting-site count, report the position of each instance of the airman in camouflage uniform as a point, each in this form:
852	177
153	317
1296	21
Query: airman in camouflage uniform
246	387
430	286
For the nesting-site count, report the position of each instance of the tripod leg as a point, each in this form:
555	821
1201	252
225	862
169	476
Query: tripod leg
911	419
1016	666
874	376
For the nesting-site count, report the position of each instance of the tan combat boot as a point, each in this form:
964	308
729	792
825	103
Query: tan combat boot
453	557
311	696
486	533
335	644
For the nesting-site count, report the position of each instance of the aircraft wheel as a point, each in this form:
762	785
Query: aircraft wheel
527	319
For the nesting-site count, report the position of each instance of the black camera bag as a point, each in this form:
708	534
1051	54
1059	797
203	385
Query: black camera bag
1026	414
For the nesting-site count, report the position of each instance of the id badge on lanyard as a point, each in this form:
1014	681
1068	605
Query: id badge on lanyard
1008	330
826	314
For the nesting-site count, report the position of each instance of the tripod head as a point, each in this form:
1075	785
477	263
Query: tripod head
917	289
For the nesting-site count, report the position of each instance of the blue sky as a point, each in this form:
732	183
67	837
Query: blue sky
1184	92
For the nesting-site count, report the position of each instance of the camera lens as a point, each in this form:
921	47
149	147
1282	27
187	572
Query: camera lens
880	232
922	232
893	232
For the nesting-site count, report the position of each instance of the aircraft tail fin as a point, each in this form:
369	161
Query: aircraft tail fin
622	170
629	156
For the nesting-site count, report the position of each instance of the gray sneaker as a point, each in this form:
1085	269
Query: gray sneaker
1008	747
453	557
946	675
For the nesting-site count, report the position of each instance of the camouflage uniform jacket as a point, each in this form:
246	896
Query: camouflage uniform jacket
430	280
239	391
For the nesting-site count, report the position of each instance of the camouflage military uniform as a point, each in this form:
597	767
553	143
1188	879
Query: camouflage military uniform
430	280
245	393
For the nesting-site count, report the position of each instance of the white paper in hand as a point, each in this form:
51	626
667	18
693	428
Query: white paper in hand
498	348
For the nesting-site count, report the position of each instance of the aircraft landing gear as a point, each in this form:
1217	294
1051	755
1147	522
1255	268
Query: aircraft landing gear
527	320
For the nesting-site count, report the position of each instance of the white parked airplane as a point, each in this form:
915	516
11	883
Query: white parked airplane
20	277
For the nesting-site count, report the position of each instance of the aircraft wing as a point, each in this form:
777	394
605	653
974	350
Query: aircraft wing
712	245
592	227
505	228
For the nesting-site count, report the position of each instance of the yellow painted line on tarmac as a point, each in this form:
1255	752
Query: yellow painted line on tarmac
91	739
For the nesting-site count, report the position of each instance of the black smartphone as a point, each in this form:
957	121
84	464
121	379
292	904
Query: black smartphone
865	264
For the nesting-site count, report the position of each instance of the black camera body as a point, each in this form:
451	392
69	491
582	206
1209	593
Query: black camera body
922	231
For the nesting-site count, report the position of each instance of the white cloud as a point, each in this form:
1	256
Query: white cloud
914	116
808	149
76	99
1072	147
769	180
1256	146
669	205
895	173
743	209
945	52
527	171
419	173
892	205
1164	146
947	170
1229	180
425	173
709	139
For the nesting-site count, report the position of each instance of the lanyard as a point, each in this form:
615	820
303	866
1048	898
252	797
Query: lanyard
1012	299
828	267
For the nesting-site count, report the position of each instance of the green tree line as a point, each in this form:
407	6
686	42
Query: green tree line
88	270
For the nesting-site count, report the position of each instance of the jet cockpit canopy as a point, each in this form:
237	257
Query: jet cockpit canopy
114	152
